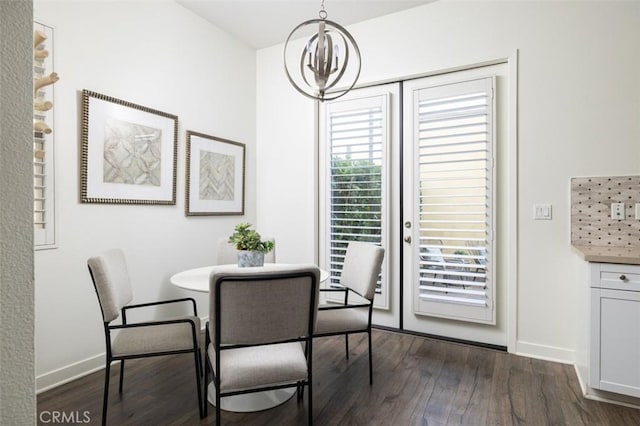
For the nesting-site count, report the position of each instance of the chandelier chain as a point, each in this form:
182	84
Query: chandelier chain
322	13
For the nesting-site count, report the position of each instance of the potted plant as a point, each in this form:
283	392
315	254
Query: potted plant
251	248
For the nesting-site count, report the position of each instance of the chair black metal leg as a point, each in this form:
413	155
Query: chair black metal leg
105	398
310	381
217	405
346	344
196	356
121	375
370	360
310	405
200	371
216	386
205	385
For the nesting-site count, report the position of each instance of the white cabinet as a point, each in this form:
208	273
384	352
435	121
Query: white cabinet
615	328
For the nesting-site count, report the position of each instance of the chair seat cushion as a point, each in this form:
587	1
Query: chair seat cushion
257	366
154	339
332	321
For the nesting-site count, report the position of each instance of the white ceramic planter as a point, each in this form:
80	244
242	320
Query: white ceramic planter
250	258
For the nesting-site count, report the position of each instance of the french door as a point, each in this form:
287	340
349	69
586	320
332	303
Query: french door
452	128
412	166
359	139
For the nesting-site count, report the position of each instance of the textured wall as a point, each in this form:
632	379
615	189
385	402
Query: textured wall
591	223
17	384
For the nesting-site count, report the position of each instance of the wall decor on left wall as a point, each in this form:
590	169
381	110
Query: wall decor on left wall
129	152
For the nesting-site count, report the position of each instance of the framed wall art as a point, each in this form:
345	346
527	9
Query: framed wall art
128	152
215	176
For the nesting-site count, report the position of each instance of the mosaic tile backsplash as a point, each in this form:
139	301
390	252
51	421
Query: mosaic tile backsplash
591	223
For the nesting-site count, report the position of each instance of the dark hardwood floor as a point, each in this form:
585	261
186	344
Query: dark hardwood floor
417	381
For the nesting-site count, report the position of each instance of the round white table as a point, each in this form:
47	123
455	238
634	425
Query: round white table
198	280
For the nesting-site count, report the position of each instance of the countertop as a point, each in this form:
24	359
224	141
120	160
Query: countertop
626	255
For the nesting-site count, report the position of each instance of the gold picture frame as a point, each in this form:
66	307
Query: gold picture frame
215	176
128	154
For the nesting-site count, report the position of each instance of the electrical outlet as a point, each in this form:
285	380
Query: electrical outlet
617	211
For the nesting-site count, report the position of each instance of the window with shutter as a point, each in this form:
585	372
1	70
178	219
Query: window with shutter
43	172
355	180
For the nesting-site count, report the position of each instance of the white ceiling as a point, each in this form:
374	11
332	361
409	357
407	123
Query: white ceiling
263	23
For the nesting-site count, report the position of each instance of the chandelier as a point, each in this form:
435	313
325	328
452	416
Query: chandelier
323	62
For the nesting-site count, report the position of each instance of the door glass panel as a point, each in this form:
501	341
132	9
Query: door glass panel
355	166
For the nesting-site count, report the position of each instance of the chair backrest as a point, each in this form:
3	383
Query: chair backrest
228	255
361	268
267	307
111	281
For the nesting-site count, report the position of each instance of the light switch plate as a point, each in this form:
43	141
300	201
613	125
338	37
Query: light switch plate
617	211
542	211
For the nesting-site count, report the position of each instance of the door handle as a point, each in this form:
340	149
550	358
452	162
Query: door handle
407	239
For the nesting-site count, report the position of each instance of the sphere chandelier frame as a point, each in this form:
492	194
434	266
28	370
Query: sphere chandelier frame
320	59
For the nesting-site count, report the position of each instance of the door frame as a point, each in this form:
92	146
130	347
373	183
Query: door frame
511	193
510	245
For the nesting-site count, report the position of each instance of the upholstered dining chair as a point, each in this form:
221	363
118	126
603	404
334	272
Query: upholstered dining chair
360	271
257	324
227	253
141	339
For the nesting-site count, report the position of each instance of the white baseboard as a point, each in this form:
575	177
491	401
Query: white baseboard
583	378
547	353
78	369
566	356
604	396
69	373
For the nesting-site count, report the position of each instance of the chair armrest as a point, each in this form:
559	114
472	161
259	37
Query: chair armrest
344	289
329	308
334	289
158	323
162	302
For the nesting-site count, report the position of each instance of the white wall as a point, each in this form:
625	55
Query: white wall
17	398
157	54
286	188
578	114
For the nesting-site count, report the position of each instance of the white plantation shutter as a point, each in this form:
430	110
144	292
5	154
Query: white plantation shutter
453	186
355	150
43	152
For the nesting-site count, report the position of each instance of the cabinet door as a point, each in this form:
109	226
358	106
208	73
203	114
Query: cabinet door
619	337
